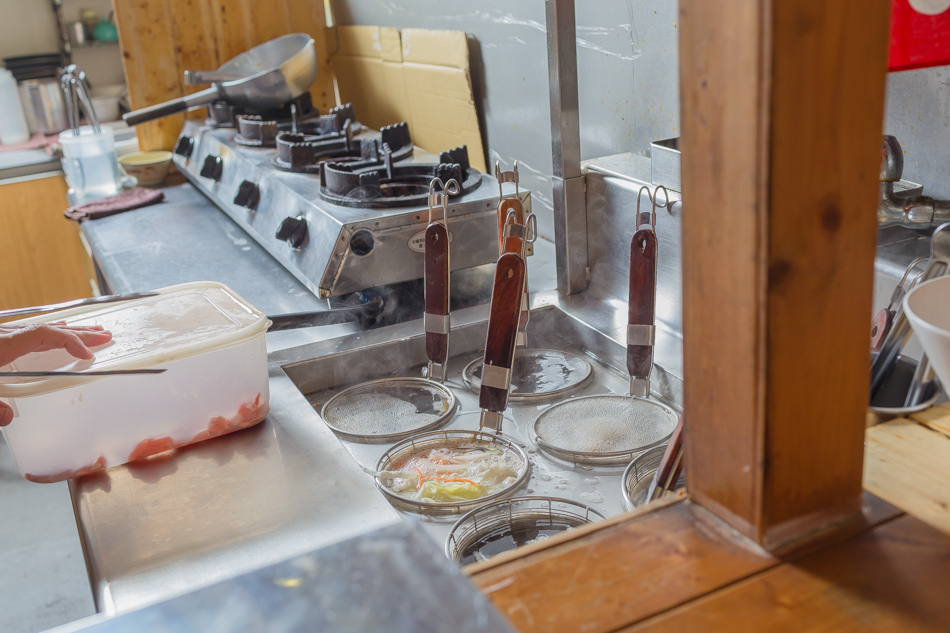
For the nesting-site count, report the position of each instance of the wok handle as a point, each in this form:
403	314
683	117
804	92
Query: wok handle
500	341
204	77
358	313
641	309
194	100
437	293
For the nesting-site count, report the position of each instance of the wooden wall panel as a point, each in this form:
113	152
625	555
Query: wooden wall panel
150	60
782	112
162	38
196	46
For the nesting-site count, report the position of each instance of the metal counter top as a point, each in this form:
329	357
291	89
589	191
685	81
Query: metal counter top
26	162
356	586
214	510
186	238
240	502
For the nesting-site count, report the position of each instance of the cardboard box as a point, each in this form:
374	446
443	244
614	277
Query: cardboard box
418	76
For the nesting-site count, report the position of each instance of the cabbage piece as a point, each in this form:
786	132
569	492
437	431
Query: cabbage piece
497	473
433	490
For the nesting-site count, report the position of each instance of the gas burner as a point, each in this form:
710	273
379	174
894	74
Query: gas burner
254	131
221	115
257	131
304	153
224	115
394	186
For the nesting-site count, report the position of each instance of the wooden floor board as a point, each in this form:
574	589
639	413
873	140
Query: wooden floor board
632	570
895	577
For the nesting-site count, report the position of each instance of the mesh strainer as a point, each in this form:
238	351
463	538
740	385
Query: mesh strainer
613	428
606	429
389	409
509	523
638	475
422	473
538	373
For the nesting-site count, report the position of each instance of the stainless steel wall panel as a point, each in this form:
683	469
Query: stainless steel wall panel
627	75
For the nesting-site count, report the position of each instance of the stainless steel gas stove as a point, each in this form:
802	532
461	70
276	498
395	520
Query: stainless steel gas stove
345	223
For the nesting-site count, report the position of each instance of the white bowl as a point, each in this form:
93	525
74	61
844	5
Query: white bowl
149	168
928	309
107	108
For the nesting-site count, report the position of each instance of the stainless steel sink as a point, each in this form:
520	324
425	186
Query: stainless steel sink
323	369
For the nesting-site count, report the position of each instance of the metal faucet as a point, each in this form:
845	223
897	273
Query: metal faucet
913	212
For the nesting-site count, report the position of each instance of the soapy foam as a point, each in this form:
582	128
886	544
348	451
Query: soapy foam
604	424
383	413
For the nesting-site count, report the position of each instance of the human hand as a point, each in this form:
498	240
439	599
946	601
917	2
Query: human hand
19	340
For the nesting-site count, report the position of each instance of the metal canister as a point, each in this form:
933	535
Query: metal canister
44	105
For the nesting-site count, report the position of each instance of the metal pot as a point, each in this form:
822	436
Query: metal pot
44	105
268	75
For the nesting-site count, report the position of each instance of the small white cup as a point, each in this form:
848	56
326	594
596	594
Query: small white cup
928	309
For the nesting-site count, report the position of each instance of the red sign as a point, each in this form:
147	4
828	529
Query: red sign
920	34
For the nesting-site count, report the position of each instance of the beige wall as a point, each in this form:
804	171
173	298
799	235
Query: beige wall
27	27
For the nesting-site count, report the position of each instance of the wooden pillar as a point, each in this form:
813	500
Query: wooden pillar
782	114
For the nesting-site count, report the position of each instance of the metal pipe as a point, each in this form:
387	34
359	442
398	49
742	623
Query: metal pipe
570	204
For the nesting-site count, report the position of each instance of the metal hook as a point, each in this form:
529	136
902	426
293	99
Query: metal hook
507	176
653	197
527	233
652	220
531	229
441	198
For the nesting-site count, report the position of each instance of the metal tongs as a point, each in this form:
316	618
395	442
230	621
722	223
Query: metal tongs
75	303
437	319
516	232
641	329
508	308
900	331
671	465
76	90
884	318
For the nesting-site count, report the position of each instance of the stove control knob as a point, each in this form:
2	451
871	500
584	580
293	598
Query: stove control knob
185	146
293	231
248	195
212	168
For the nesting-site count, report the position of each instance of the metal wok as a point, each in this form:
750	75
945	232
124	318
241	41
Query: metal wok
271	74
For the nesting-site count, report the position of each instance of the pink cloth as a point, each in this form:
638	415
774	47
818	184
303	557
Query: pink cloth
38	141
129	199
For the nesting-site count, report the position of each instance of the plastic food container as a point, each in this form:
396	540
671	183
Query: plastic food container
208	338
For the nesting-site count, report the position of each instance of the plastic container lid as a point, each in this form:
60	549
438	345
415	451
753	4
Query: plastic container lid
181	321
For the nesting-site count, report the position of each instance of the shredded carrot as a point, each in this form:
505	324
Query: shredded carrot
421	478
448	479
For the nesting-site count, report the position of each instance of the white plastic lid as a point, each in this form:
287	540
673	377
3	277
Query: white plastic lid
181	321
